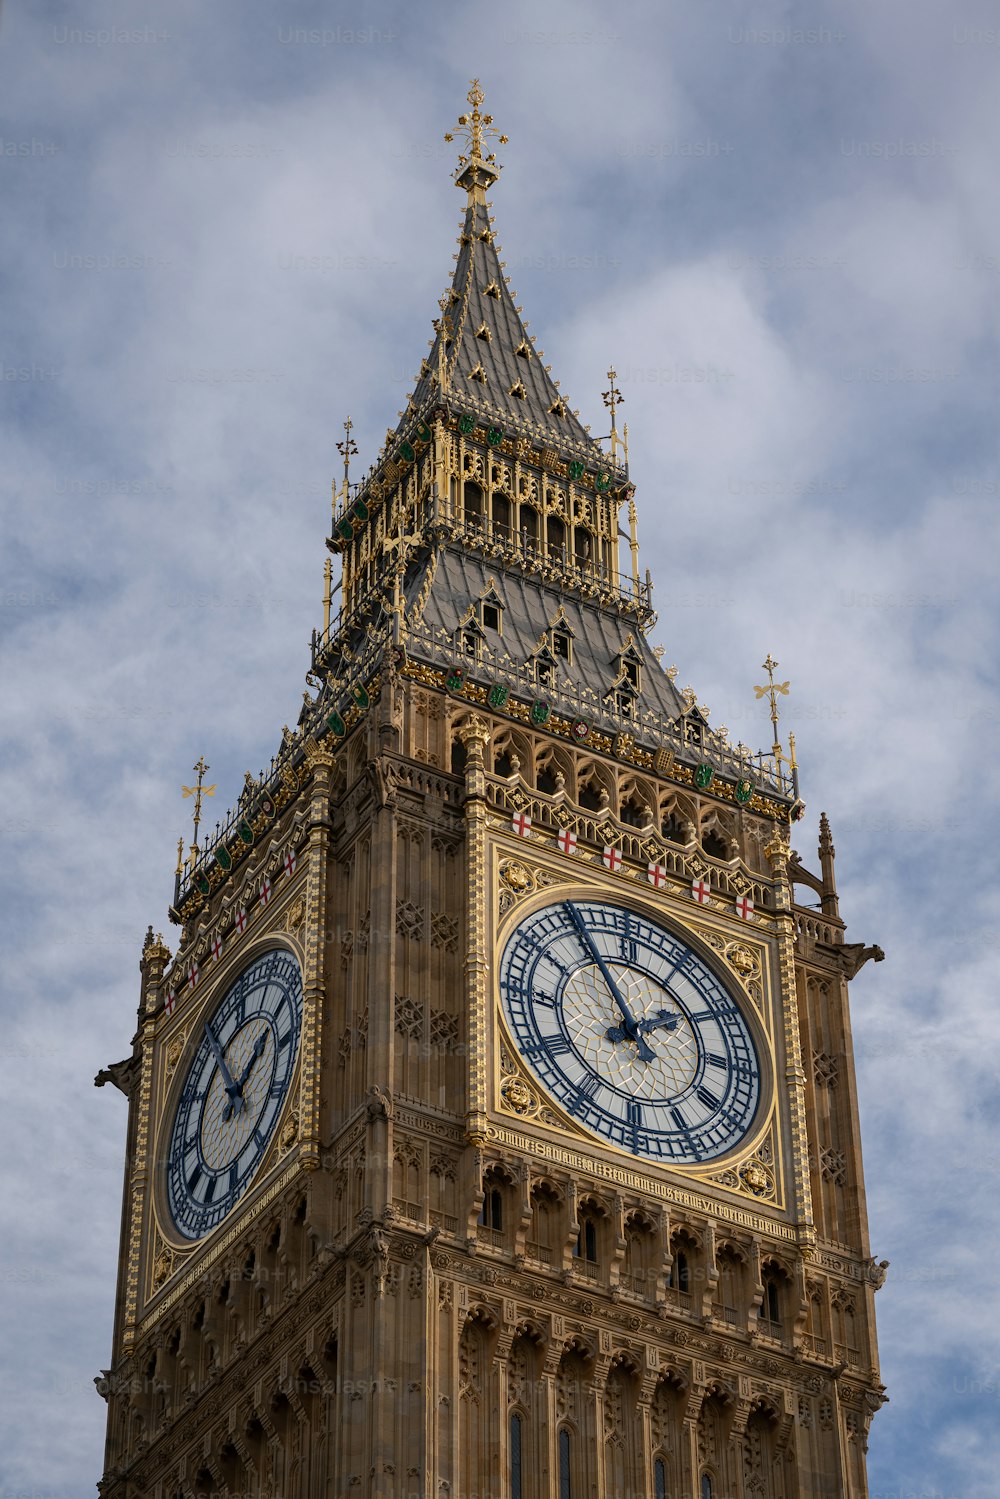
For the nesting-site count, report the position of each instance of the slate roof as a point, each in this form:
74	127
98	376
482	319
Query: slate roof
473	307
530	607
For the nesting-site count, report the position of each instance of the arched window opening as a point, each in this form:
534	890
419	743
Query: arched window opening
472	499
583	547
529	525
491	1212
501	513
503	765
547	780
459	757
633	813
715	845
589	1236
680	1274
672	828
516	1488
707	1487
771	1304
565	1487
555	534
660	1479
586	1250
638	1273
590	796
543	1229
729	1288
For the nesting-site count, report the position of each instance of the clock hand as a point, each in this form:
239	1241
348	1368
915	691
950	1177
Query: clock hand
257	1052
662	1020
227	1078
629	1026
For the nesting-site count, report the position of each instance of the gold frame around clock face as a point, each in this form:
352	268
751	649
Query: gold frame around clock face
223	1110
584	1049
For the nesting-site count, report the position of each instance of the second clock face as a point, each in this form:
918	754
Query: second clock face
234	1092
631	1031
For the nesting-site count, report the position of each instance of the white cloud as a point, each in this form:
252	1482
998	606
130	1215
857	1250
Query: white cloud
169	461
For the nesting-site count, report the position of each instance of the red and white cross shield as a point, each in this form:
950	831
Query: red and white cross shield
265	890
521	823
744	907
290	861
612	858
241	920
169	1001
217	946
567	841
193	974
656	875
701	890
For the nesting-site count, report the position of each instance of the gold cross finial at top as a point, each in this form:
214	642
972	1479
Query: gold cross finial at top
477	128
198	791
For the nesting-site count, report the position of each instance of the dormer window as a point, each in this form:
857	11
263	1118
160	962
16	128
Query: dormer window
558	408
470	643
561	644
518	391
484	332
524	349
493	291
630	666
545	666
694	731
624	704
491	610
478	374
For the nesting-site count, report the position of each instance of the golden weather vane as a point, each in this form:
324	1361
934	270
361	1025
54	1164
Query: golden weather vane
347	449
613	398
476	128
198	791
772	690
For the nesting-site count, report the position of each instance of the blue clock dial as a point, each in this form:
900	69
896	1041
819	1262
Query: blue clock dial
234	1092
631	1031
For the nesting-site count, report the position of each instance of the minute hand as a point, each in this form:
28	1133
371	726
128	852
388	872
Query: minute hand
227	1078
630	1026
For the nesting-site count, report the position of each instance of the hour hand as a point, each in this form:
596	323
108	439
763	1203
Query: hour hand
662	1020
235	1103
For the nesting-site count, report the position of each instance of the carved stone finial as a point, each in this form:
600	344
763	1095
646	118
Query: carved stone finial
475	735
778	852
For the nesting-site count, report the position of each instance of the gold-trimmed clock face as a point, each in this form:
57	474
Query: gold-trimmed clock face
629	1028
234	1093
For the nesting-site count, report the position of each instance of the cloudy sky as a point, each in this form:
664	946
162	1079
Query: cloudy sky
225	227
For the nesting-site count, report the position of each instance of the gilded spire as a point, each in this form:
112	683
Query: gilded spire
771	689
613	398
477	171
197	792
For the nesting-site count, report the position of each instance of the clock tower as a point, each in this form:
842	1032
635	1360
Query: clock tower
493	1127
